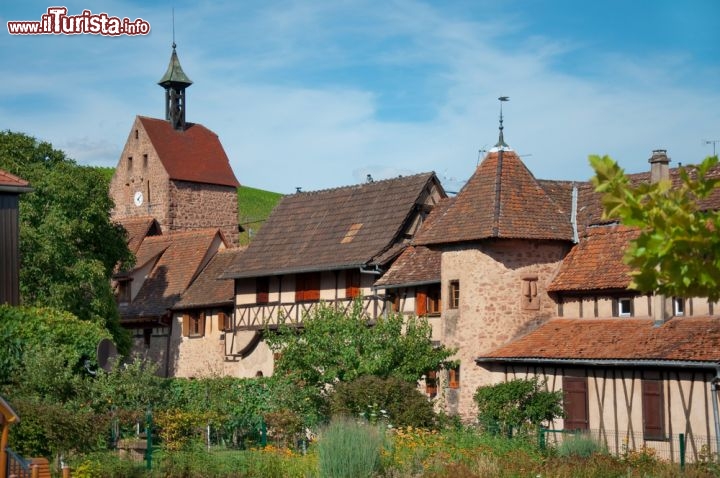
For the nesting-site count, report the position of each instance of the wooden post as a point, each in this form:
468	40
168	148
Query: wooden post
65	471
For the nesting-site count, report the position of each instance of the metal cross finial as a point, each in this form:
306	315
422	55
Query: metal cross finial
501	141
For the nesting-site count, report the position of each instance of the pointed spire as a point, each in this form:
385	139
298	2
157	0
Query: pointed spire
175	81
501	141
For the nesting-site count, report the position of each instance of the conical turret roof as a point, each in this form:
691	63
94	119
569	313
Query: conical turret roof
502	199
174	74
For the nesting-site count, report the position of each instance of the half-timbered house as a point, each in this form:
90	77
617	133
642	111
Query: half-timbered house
324	246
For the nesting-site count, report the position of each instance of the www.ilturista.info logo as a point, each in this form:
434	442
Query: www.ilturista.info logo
57	22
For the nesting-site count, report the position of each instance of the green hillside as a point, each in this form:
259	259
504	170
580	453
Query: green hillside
254	207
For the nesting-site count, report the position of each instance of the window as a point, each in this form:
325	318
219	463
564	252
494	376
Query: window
223	321
454	377
678	306
194	324
136	134
307	287
575	403
653	410
129	163
431	383
123	291
454	294
625	307
529	297
145	160
352	283
427	301
433	300
262	290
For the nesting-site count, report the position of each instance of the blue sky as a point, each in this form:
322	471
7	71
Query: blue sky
319	94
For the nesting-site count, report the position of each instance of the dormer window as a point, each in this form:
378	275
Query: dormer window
123	291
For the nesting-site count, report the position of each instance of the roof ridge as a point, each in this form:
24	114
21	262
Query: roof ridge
360	185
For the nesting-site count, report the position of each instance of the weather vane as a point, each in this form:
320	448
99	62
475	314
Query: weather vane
501	141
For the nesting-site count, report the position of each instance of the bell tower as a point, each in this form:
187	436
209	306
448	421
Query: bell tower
175	81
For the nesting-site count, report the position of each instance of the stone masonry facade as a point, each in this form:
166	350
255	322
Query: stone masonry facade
494	278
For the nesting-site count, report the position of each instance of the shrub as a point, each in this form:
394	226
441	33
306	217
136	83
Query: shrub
349	449
515	404
580	445
402	402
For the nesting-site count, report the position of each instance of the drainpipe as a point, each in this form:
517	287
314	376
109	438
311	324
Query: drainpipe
716	415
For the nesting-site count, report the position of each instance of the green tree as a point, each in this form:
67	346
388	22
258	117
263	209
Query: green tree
334	346
517	404
678	250
68	245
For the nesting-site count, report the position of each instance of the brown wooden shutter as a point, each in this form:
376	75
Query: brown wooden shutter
352	283
201	323
420	302
454	377
431	383
575	403
222	322
653	410
186	325
262	290
307	287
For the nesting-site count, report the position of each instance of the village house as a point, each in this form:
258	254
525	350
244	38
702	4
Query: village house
11	187
322	246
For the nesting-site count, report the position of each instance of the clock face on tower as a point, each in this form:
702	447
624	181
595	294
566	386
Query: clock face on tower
138	198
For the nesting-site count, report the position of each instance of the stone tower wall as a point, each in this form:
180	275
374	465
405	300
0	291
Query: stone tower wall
493	309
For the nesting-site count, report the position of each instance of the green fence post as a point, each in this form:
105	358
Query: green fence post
263	433
148	438
541	438
682	451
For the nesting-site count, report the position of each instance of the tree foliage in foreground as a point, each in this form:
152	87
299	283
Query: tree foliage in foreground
68	245
517	403
678	250
336	346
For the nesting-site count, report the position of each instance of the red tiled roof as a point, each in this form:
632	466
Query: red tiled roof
416	265
596	262
622	339
137	229
209	289
181	256
333	229
193	154
11	182
502	199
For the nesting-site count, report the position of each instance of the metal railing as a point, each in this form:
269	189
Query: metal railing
17	466
677	448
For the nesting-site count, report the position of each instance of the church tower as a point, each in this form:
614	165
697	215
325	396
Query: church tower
175	81
174	171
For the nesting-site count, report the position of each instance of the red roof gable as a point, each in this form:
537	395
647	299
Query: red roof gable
623	339
193	154
596	262
502	199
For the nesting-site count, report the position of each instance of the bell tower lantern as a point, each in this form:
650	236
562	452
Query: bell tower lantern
175	81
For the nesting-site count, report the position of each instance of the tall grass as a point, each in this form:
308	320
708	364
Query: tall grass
349	449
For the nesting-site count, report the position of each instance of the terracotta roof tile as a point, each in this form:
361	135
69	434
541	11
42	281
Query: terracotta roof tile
596	262
182	255
209	289
416	264
137	229
193	154
679	339
11	182
502	199
334	228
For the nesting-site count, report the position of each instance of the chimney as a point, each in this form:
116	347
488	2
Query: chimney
659	165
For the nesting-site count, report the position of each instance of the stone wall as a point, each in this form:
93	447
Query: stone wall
494	279
198	206
139	169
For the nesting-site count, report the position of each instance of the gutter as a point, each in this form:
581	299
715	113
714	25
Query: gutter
408	284
610	362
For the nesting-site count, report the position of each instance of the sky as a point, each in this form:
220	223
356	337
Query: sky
319	94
